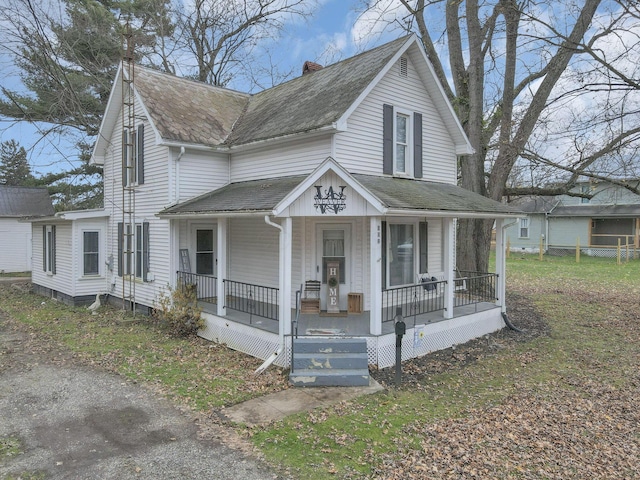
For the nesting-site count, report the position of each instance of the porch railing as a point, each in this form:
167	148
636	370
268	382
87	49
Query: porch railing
474	287
205	285
252	299
413	300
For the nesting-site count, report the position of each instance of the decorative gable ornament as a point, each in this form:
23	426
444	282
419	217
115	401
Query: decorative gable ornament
330	200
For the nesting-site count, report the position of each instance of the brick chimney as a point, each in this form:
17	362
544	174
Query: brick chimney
310	67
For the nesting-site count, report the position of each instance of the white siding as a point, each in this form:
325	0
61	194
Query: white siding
359	149
200	172
295	158
62	280
15	246
150	198
89	285
253	252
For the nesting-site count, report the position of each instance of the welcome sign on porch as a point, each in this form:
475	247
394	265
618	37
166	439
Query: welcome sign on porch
330	201
333	287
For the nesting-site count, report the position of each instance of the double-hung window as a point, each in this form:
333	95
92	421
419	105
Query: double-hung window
90	253
401	142
133	156
524	228
401	158
133	250
49	249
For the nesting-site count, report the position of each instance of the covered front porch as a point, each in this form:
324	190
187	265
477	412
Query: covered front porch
367	250
257	306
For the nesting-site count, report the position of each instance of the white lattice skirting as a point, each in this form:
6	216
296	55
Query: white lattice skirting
381	350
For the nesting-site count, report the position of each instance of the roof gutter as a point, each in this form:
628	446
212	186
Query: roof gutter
199	216
395	212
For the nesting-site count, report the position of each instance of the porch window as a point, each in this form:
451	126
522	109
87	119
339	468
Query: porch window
524	228
333	251
49	249
401	254
90	253
204	252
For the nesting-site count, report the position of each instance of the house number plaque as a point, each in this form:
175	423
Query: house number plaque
333	287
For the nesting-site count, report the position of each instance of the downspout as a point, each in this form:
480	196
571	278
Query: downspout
182	150
504	287
275	354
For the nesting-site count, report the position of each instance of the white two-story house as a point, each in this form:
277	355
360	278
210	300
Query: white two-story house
318	206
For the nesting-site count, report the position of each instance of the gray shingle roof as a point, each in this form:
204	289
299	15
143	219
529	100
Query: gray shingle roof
25	202
394	193
401	193
252	196
187	111
311	101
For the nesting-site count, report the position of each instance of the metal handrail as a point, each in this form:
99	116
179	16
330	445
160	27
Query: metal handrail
250	298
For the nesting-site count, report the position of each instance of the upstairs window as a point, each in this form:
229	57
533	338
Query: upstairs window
401	142
400	159
133	156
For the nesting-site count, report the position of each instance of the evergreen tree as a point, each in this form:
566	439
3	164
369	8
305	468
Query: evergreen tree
14	167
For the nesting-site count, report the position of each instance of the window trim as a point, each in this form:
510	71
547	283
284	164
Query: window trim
418	244
133	155
524	225
97	253
49	249
131	264
408	141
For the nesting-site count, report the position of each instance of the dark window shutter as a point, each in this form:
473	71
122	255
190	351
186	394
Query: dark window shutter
125	156
424	246
145	250
417	145
53	249
44	248
387	139
120	249
140	163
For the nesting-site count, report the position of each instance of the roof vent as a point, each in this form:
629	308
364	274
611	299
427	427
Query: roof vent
403	67
310	67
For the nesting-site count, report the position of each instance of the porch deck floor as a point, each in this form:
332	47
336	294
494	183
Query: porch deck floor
344	323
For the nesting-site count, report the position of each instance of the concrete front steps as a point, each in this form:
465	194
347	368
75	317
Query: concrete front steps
335	362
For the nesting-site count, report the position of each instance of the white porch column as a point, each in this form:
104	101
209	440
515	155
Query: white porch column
375	275
449	275
501	269
284	283
221	273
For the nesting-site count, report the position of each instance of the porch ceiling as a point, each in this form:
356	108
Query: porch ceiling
398	195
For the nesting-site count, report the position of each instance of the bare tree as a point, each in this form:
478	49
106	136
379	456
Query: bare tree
220	36
519	69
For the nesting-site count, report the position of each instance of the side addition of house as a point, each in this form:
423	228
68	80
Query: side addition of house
322	206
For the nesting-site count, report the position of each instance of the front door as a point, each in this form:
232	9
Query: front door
333	245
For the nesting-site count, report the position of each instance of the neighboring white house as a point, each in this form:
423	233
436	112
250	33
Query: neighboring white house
596	224
16	203
345	176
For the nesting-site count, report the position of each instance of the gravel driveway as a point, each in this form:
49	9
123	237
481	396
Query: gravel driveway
75	422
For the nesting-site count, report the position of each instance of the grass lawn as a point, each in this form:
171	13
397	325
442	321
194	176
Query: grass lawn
562	405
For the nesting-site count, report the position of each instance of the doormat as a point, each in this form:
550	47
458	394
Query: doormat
326	331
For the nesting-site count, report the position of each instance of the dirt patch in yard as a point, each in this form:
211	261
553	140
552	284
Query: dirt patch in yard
416	372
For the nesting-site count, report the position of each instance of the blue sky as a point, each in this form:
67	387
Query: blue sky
327	37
